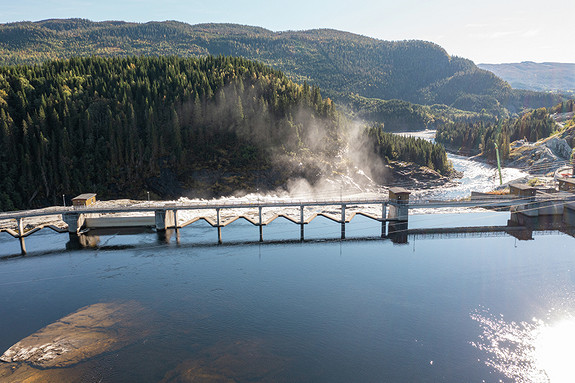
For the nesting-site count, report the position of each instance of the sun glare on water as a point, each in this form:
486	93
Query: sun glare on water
528	352
555	350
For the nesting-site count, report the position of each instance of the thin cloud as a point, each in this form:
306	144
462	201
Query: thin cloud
532	33
476	25
493	35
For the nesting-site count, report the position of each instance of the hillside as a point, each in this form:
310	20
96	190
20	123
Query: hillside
482	137
176	127
340	63
536	76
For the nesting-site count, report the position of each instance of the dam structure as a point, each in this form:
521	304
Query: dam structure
392	213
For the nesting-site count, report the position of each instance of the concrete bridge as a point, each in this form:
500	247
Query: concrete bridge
393	214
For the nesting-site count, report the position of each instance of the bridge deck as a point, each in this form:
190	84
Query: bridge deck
491	202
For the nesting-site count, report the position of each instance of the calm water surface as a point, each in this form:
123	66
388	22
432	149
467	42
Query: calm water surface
469	309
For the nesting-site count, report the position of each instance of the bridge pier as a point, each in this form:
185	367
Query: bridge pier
164	219
342	221
398	214
218	226
21	236
301	221
176	228
383	219
74	220
260	224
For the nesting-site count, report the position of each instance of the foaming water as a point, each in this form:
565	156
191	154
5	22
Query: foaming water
477	176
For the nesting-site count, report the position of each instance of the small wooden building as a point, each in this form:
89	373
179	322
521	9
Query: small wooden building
522	190
85	199
399	195
567	184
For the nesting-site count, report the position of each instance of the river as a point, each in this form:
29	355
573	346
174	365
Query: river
461	309
477	176
471	308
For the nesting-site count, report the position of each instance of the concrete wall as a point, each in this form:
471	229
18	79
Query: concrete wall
102	222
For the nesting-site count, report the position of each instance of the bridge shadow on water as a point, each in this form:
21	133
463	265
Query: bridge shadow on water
519	226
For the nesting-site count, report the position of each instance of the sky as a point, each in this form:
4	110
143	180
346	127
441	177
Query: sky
487	31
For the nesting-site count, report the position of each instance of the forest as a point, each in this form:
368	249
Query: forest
120	126
416	150
340	63
471	137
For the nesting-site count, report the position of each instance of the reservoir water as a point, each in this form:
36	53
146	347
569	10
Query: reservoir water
465	308
462	309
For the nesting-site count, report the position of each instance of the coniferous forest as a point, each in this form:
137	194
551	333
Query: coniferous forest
475	136
123	126
341	63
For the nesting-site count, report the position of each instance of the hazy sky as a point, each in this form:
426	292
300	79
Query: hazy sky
488	31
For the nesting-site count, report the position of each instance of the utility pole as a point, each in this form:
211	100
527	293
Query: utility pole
498	164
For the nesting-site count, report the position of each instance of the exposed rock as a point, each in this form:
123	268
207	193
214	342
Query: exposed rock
558	147
246	361
540	157
90	331
18	373
411	175
569	135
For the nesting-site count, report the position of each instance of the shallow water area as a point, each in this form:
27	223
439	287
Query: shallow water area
324	310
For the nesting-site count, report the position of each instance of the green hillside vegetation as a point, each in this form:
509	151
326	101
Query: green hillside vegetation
401	116
479	137
417	150
120	126
547	76
340	63
564	107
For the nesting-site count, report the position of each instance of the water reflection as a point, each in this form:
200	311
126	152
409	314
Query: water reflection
534	351
554	350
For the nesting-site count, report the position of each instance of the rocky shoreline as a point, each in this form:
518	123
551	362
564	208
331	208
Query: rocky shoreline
541	157
412	176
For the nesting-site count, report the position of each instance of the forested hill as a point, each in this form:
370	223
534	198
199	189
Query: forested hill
339	63
547	76
121	126
198	127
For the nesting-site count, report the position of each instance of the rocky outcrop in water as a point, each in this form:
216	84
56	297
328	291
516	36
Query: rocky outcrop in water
93	330
240	361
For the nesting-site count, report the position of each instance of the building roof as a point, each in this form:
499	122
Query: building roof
522	186
84	196
398	190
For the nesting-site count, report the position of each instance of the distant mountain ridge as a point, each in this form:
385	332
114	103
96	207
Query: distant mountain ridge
340	63
547	76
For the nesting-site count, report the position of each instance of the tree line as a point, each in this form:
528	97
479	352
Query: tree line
417	150
338	62
114	125
470	137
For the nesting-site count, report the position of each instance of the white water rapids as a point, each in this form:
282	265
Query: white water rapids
477	176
